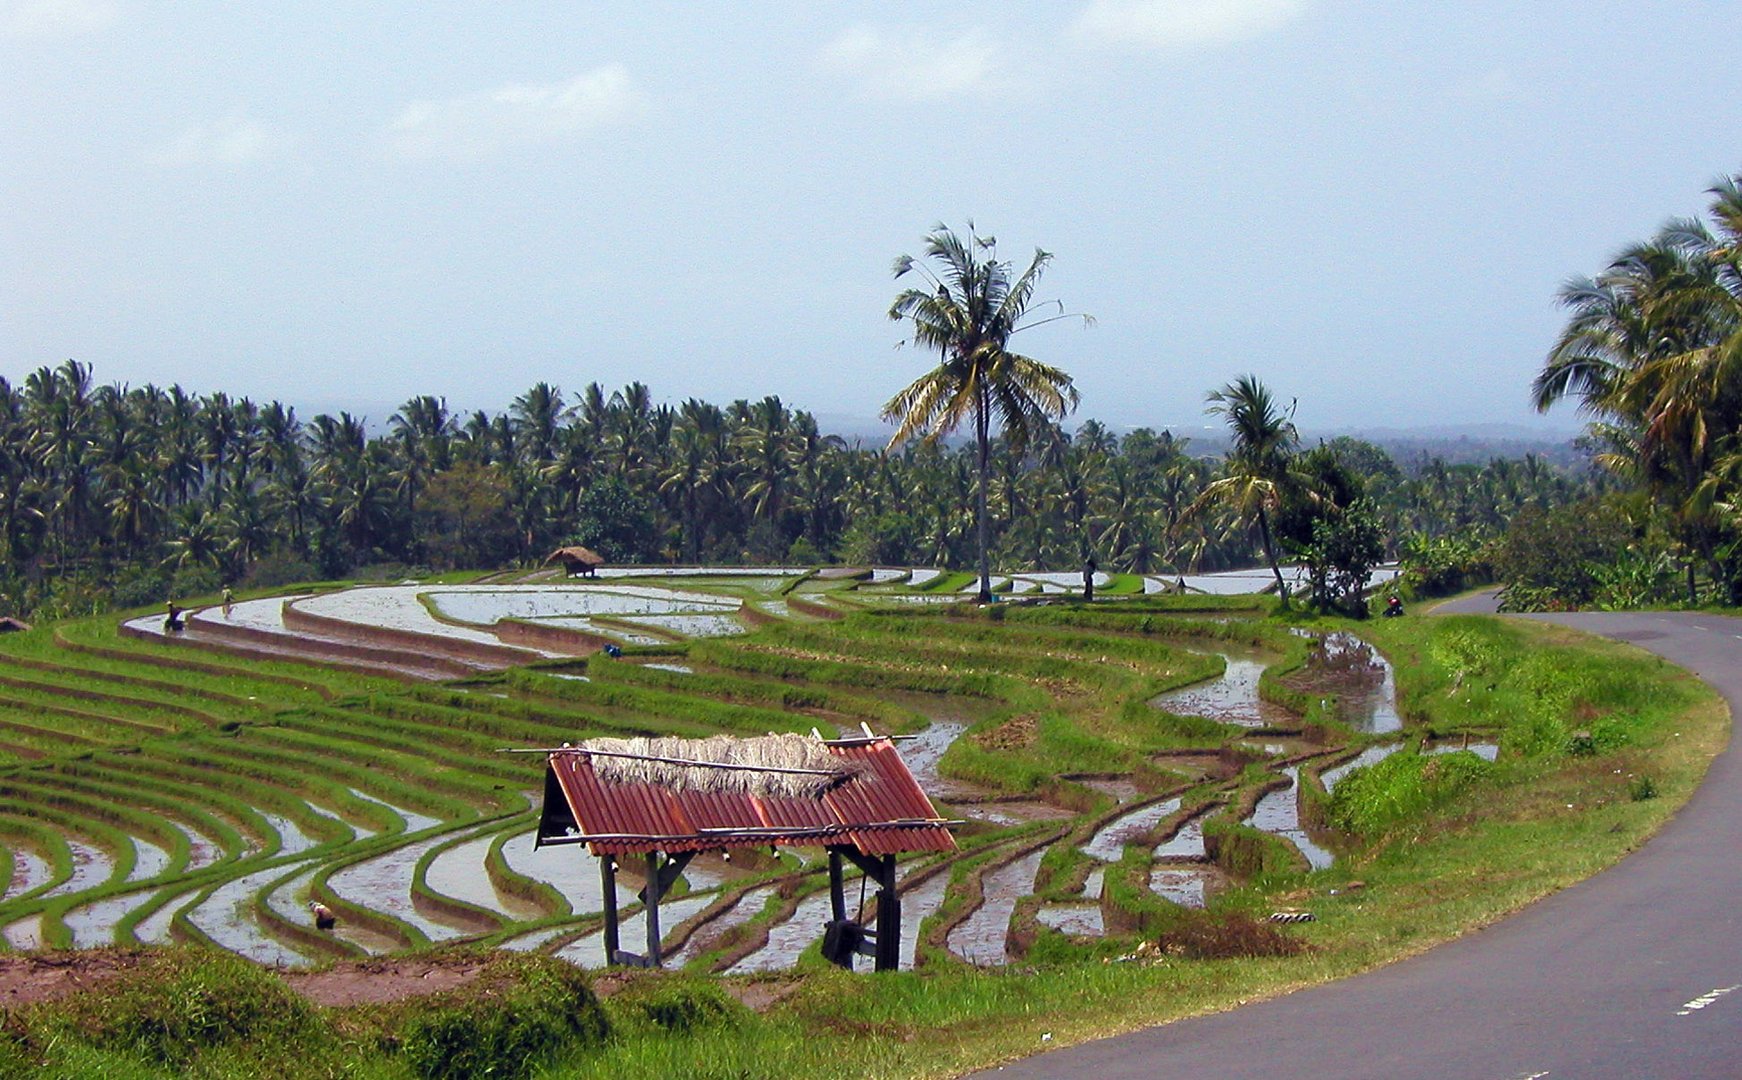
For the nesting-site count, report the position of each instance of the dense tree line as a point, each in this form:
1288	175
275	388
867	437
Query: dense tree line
118	495
1652	353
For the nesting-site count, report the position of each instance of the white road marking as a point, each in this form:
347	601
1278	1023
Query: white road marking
1530	1076
1703	1000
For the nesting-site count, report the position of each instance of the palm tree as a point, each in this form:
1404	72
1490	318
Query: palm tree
1257	470
969	310
1653	350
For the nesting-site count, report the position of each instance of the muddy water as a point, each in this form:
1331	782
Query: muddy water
1190	766
1279	813
227	917
918	904
1186	843
29	871
1012	811
459	872
93	925
384	884
1370	756
358	832
92	866
1108	845
1487	751
1187	886
589	951
154	928
25	933
1119	790
980	939
532	940
788	939
292	840
203	851
1092	883
1080	920
290	900
1233	697
149	861
414	821
747	906
922	753
1342	664
568	869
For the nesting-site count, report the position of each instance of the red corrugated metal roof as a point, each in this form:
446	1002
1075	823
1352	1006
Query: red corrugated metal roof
879	809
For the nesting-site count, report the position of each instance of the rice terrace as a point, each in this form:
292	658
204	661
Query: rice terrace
1173	540
1151	795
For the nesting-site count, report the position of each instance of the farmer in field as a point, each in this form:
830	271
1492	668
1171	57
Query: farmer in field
1089	578
172	624
229	599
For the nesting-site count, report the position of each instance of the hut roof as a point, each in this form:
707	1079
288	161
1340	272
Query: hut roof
10	625
576	553
632	796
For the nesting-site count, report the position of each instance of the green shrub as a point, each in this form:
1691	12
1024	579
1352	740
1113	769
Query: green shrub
177	1004
519	1012
1401	787
677	1006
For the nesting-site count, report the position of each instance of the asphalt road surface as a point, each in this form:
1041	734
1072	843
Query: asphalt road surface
1636	973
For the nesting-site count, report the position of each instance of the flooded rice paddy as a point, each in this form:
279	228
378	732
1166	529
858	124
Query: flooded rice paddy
676	604
1108	844
1279	812
981	937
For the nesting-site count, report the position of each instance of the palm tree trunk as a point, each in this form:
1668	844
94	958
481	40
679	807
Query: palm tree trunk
1270	554
984	447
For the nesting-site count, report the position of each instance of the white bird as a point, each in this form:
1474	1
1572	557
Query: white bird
324	916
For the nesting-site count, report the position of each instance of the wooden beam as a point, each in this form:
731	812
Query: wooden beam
608	879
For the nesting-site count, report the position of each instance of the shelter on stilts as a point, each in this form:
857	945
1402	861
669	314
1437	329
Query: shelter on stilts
665	800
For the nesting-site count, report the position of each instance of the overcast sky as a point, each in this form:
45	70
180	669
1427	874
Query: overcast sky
1368	204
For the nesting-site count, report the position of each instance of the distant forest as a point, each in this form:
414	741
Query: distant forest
116	496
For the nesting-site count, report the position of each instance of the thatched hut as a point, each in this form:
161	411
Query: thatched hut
577	561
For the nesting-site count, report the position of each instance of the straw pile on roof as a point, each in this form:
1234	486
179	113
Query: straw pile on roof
755	757
576	554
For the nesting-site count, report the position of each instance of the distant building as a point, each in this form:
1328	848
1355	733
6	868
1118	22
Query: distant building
577	560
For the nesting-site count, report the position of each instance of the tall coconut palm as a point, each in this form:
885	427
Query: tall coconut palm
968	311
1257	470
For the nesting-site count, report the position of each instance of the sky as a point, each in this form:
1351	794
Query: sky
1369	205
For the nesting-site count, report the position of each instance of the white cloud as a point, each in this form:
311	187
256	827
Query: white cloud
55	18
232	141
1182	24
909	65
475	126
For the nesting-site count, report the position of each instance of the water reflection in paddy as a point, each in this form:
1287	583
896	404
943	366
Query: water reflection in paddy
1081	920
1232	697
980	939
1187	886
1343	665
1279	813
1109	843
1186	843
1370	756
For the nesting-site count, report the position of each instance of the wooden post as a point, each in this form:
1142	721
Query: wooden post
652	893
888	918
837	894
608	877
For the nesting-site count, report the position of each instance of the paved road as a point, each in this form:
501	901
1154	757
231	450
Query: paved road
1635	973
